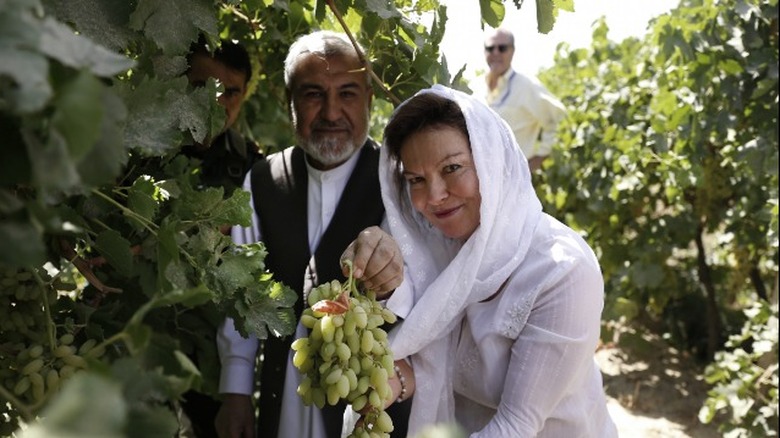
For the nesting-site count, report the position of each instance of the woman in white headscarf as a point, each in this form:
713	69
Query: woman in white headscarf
501	303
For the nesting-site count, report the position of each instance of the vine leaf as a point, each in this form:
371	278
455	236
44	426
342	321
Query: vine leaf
116	250
493	12
100	20
108	156
25	239
152	121
545	15
88	405
78	113
266	309
566	5
236	210
140	199
59	42
174	24
384	9
26	67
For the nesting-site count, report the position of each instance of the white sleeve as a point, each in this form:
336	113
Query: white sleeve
549	112
552	357
402	298
236	353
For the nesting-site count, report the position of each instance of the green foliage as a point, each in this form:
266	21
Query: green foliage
114	274
668	164
745	379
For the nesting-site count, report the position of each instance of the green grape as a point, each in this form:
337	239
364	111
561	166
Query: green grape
359	403
334	376
343	352
88	345
318	395
75	361
349	324
66	371
37	383
384	423
33	366
308	321
64	350
353	342
343	386
327	351
367	342
328	328
389	316
66	339
377	349
338	335
363	384
52	379
333	395
378	377
351	379
374	321
300	358
22	385
35	351
354	364
375	399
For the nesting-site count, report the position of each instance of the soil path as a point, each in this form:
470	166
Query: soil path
654	391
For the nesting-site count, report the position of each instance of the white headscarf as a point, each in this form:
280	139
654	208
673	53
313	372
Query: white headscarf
442	276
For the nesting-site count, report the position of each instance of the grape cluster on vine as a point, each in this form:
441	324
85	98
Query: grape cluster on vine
34	361
346	355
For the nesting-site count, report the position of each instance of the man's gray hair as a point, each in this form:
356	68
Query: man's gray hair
325	43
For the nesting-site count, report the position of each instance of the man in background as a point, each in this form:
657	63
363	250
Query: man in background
224	162
523	102
228	157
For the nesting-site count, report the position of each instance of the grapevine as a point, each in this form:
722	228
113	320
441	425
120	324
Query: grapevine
36	356
346	355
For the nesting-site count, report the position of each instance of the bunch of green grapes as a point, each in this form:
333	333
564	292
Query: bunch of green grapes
34	361
346	355
40	370
21	303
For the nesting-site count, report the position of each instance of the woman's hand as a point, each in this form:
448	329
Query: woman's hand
376	261
402	390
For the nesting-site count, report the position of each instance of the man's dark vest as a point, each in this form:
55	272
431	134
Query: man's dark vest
226	161
279	188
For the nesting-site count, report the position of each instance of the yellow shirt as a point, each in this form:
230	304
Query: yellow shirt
527	106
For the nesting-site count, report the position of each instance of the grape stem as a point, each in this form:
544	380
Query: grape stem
50	329
351	284
85	269
23	409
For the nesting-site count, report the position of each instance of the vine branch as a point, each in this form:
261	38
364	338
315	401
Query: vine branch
361	55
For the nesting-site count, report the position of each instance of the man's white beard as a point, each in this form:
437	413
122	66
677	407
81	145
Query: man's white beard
329	151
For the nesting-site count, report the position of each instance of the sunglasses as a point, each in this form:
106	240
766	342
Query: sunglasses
502	48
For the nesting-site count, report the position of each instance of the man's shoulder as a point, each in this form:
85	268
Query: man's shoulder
283	154
523	77
372	144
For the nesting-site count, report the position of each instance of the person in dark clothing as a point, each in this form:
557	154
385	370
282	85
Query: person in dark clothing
224	162
227	158
312	201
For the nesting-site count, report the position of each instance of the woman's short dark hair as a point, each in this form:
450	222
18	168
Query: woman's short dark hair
420	113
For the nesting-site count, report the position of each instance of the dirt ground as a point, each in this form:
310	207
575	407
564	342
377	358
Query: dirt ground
654	391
